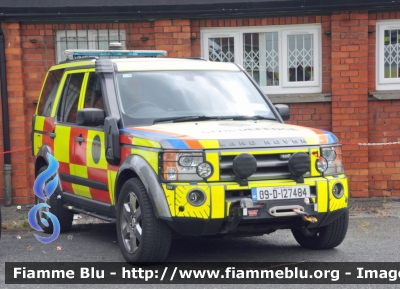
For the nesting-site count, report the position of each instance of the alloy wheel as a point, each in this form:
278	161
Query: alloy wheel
131	223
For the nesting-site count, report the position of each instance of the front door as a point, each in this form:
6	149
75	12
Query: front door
90	165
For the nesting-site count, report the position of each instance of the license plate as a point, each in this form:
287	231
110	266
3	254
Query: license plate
280	193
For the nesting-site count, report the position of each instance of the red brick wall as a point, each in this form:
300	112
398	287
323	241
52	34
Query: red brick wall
350	93
384	161
384	126
18	115
317	115
173	36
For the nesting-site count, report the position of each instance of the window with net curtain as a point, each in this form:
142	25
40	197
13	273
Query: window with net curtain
388	55
279	60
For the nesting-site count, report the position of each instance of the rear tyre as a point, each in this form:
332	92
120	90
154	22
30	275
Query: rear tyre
326	237
142	237
56	204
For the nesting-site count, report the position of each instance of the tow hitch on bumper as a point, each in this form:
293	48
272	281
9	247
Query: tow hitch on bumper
246	211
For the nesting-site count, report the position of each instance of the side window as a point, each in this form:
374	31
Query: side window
49	92
94	95
68	106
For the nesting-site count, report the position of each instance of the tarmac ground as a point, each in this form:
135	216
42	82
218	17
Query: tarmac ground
15	216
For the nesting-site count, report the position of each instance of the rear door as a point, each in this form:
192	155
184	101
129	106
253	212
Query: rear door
65	128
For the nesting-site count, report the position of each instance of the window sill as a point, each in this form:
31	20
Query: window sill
299	98
384	95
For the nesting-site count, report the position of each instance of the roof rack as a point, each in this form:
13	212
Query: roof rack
78	53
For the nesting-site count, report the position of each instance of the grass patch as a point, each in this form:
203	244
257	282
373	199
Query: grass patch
22	223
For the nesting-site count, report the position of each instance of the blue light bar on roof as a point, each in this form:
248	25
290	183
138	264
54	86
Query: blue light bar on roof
115	53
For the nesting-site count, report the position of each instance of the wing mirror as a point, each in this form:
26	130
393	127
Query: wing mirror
90	117
283	110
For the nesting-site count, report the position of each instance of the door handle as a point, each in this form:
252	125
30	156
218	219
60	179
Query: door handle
79	139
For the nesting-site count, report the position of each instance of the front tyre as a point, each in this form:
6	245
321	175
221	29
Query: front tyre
141	236
326	237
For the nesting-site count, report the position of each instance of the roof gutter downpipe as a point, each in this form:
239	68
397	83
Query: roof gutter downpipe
5	120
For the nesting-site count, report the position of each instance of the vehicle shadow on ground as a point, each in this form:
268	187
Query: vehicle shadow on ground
100	239
279	246
266	248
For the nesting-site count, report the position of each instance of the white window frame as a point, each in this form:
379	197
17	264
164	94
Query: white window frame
90	34
225	33
285	86
383	83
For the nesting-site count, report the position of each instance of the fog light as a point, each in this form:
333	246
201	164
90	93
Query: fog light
244	165
196	197
299	164
338	190
171	174
204	170
321	164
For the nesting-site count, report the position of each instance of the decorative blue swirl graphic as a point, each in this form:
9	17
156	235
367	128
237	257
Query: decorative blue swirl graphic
33	222
44	192
44	176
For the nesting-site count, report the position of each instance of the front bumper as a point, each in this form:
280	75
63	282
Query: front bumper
222	212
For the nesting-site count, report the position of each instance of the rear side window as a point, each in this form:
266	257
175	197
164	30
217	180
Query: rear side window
49	92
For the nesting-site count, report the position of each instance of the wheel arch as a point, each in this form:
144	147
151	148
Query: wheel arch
136	166
41	160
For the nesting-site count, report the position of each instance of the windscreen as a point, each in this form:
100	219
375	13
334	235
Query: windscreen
146	96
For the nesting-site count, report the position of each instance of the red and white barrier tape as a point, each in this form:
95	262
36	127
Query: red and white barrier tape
14	151
370	144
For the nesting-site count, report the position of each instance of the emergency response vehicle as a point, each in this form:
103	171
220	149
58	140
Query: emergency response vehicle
167	147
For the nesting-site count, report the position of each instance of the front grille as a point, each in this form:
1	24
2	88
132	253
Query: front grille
269	166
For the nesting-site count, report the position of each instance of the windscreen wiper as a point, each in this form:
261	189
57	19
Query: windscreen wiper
252	117
206	117
185	118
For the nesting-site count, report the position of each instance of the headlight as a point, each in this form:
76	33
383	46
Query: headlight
333	156
204	170
329	154
322	165
188	160
185	166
